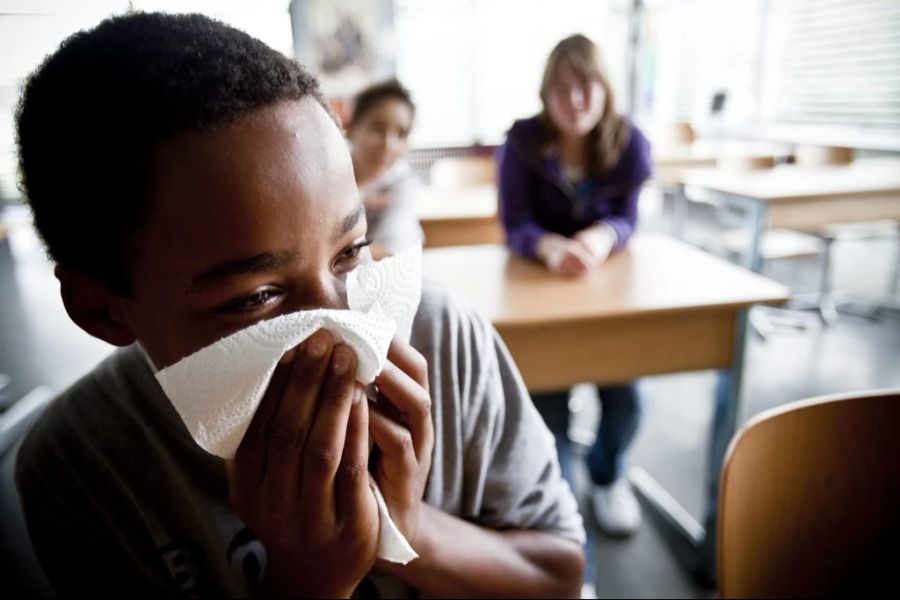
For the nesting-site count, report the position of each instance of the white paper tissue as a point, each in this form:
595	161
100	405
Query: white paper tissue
217	389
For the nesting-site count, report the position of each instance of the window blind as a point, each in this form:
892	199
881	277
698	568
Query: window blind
841	63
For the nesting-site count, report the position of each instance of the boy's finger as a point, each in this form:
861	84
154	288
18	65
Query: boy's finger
290	425
409	360
352	480
249	465
398	467
325	441
413	403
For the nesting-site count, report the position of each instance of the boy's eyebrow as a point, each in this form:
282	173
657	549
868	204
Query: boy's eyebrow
350	221
267	261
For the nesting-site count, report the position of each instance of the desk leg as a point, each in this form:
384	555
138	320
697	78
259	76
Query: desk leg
693	544
895	277
726	416
758	218
680	208
758	211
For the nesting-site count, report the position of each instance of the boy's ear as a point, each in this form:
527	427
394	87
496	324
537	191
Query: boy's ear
93	306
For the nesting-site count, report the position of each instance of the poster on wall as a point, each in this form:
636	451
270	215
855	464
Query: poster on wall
348	43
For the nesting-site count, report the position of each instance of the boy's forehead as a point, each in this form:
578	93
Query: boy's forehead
283	164
292	140
303	119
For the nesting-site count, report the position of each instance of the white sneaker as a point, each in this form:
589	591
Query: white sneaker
616	509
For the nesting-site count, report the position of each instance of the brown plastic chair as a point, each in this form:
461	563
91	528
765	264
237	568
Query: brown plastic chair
810	500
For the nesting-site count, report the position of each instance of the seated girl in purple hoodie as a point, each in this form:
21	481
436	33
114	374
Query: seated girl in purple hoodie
570	178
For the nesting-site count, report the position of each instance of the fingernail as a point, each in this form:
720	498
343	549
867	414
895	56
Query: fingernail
315	347
341	360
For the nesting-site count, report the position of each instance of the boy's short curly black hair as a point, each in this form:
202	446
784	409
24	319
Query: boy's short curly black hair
371	96
92	114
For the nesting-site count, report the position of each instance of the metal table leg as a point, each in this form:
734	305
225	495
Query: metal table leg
680	209
695	544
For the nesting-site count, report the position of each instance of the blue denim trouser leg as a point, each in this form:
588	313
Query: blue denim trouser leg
554	408
621	415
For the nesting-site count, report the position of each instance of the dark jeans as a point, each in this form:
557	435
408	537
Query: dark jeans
620	416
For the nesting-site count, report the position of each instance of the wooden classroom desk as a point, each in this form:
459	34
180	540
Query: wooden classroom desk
460	216
806	198
658	306
670	163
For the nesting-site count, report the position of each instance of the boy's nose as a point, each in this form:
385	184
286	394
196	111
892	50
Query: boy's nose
325	292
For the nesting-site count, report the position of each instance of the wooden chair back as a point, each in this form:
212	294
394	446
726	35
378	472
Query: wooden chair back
810	499
815	156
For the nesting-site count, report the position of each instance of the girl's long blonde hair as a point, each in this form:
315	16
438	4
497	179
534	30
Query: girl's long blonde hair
608	139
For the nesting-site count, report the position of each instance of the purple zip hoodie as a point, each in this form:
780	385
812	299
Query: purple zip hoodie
536	198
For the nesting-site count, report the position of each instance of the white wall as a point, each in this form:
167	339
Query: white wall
32	29
475	66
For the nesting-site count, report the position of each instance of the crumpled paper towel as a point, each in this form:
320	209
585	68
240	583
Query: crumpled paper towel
217	389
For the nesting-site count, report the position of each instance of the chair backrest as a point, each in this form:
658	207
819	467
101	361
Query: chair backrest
814	156
21	574
453	173
810	499
745	162
672	134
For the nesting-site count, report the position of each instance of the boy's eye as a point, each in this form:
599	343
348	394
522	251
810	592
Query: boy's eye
349	258
257	299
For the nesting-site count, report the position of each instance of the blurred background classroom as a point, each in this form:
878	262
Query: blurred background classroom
775	128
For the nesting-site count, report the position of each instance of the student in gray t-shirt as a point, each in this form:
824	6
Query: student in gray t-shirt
189	185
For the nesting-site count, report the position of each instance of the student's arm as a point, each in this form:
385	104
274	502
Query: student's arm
524	235
525	540
459	559
623	216
621	222
515	185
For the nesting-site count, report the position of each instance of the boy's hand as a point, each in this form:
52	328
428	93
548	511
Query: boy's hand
300	477
401	427
564	256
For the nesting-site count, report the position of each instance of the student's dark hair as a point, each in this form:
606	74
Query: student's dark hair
372	96
91	116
